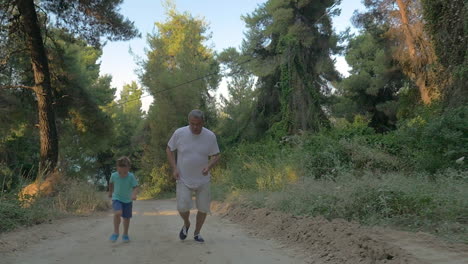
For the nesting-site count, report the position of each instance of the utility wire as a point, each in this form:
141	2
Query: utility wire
204	76
179	85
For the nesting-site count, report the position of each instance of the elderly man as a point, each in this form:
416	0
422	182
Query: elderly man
197	152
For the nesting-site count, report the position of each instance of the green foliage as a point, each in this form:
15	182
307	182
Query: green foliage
371	194
235	120
72	198
374	156
415	203
79	198
14	214
291	42
86	130
79	93
159	183
177	54
375	79
434	139
406	178
128	121
36	48
245	166
91	20
447	23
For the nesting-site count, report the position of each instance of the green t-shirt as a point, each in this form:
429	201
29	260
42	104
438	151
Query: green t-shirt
123	187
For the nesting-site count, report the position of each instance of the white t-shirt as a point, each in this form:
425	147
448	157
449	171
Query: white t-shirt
193	152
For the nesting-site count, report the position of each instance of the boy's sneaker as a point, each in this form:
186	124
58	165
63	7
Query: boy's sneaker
199	238
125	239
183	233
113	237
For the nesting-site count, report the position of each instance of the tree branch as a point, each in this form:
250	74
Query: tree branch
16	86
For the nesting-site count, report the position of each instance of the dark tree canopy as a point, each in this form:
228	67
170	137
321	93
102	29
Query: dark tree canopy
26	28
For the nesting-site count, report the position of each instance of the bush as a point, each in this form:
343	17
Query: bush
71	197
160	183
434	141
407	178
80	198
414	203
322	156
248	166
14	214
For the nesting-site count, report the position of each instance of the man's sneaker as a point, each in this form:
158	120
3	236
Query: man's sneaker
125	239
113	237
183	233
199	238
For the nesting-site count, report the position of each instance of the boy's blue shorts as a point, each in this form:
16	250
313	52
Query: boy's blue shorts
126	208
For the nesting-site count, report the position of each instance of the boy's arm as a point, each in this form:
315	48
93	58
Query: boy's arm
111	189
135	192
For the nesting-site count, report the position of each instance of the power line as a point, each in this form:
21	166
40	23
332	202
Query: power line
178	85
207	75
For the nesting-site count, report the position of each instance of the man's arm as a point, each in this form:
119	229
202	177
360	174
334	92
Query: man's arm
213	161
172	162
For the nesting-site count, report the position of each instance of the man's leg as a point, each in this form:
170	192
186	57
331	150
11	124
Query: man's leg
200	221
185	216
184	204
203	206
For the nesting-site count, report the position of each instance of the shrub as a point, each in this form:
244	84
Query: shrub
14	214
160	183
71	197
80	198
434	140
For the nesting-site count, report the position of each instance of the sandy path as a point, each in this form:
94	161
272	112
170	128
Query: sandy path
154	230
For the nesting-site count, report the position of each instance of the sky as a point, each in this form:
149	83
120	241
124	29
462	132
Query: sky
120	59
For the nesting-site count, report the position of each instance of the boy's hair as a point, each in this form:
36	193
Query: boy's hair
123	162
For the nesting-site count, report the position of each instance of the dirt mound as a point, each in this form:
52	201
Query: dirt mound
336	241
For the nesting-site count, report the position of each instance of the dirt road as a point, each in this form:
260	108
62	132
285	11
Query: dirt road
254	239
154	234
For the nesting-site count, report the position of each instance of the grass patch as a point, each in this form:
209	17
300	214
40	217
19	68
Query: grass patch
149	193
72	197
356	174
14	214
416	203
79	198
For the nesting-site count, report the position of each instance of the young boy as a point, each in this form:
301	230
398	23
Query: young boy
123	188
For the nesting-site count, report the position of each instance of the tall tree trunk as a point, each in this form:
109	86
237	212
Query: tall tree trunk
409	39
411	43
42	87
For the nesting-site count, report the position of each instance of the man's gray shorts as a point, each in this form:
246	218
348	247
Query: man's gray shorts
184	197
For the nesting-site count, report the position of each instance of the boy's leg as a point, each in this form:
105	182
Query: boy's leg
117	215
117	206
126	215
126	224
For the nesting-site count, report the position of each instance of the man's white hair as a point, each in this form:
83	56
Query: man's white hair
197	114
